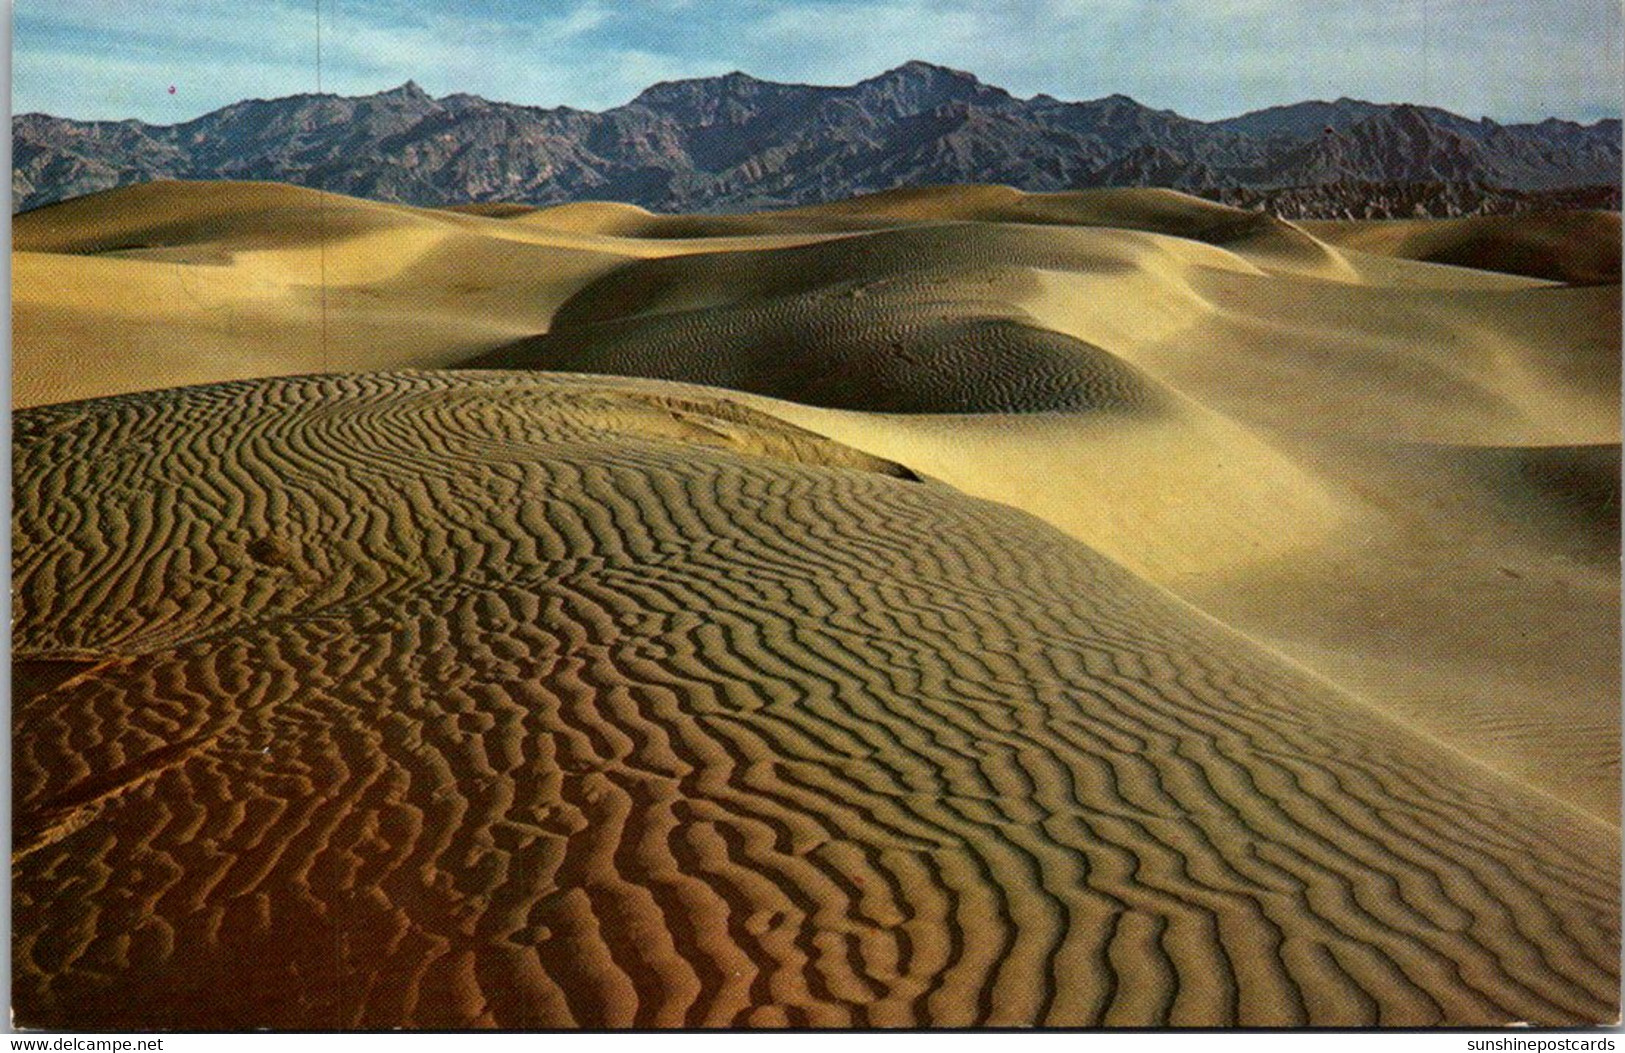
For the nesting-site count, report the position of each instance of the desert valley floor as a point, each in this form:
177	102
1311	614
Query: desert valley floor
946	607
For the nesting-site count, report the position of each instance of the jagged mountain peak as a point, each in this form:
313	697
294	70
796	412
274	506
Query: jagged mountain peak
919	69
919	87
409	90
690	87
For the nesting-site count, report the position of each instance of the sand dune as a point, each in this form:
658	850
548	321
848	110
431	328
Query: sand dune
1098	608
910	321
184	283
1260	434
508	701
1575	247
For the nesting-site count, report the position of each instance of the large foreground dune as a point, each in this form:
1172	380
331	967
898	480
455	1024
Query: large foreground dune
948	607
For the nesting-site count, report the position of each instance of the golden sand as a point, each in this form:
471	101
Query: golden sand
1101	608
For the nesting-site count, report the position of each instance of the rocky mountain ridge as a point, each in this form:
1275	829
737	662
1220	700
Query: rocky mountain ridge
735	142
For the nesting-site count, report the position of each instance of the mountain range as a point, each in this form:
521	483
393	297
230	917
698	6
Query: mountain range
735	142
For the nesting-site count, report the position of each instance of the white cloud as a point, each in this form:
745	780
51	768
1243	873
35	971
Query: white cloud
1206	58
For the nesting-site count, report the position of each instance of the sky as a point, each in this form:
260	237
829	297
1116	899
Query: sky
1511	60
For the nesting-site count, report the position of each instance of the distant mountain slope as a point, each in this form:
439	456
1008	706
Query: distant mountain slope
734	142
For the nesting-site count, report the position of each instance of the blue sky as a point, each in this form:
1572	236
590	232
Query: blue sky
1508	59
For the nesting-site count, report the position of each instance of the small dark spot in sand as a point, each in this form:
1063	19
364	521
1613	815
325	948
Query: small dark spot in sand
271	551
901	471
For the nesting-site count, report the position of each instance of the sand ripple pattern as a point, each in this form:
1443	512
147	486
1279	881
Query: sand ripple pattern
495	700
915	320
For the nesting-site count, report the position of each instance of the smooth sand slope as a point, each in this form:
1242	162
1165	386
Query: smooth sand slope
1098	608
437	700
186	283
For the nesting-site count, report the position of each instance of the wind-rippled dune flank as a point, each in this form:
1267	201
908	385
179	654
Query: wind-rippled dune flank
1285	431
416	699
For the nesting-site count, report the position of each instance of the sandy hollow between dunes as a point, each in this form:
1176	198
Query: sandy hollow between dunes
947	607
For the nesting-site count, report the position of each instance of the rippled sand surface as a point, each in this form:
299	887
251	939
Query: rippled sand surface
944	608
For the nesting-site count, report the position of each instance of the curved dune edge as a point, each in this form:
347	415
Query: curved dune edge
494	700
1581	248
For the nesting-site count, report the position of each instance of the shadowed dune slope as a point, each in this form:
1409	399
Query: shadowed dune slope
925	319
896	352
1581	248
446	700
